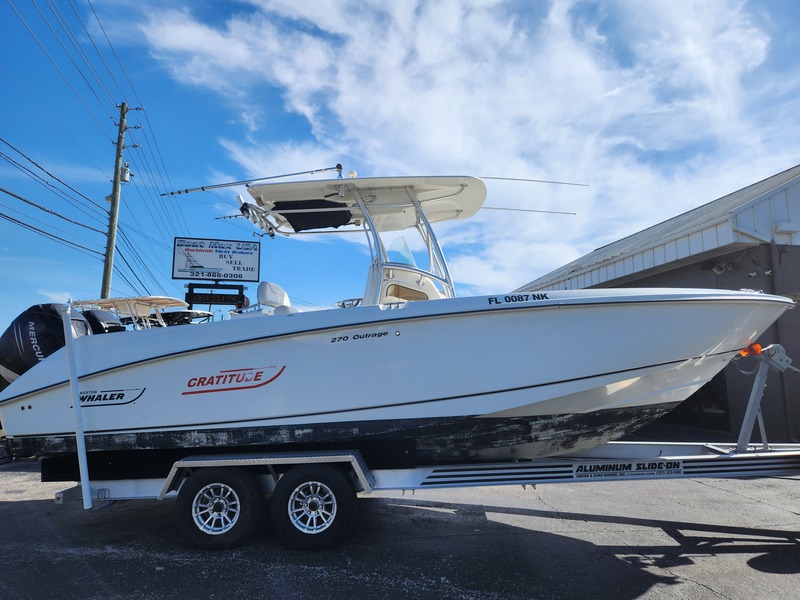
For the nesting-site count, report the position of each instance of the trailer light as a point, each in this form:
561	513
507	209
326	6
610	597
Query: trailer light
751	350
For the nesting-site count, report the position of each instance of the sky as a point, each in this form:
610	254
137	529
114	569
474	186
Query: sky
655	107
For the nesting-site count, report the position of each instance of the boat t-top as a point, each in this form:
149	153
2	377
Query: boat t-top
380	207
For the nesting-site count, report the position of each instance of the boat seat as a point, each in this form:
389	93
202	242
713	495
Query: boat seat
273	295
272	300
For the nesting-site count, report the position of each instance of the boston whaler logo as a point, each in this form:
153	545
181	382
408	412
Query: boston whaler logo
110	397
233	379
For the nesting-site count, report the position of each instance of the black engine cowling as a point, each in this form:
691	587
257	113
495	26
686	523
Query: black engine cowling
33	336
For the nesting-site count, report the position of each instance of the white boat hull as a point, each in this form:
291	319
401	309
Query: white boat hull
491	377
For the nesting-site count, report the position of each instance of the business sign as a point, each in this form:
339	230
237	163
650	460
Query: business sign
217	260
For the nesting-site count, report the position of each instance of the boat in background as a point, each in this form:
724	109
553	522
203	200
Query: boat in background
407	373
141	312
38	331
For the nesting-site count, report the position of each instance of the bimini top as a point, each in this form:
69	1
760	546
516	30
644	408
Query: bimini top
308	205
140	306
143	311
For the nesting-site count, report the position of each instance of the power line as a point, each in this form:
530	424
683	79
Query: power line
49	235
168	218
52	212
67	53
151	239
122	68
65	26
130	83
143	265
133	272
174	216
47	185
41	168
94	45
147	131
30	218
57	68
159	223
113	51
53	122
69	30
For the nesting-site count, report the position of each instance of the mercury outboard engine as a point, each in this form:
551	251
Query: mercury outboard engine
33	336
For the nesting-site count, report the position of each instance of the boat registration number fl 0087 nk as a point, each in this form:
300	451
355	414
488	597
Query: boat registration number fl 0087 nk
511	298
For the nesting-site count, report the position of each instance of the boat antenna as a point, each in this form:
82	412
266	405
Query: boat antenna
247	182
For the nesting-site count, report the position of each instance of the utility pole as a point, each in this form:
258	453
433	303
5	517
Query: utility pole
113	218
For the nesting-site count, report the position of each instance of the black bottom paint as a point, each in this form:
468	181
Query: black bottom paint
384	444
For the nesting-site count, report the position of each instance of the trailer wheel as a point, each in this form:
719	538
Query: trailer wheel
313	507
218	508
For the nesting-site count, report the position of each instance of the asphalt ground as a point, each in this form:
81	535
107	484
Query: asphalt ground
691	538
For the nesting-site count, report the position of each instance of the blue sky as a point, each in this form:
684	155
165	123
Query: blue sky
658	106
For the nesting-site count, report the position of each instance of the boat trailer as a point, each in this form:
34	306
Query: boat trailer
313	493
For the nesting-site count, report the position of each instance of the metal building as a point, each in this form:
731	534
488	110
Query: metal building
749	239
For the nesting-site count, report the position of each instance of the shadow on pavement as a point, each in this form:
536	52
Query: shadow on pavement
401	548
778	550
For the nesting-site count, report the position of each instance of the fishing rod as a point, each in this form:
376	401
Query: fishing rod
537	181
247	182
533	210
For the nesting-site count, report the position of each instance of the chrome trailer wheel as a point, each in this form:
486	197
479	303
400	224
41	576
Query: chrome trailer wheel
313	506
218	508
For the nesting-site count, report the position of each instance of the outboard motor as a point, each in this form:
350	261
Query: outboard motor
33	336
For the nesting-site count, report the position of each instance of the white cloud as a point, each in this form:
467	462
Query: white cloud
56	296
279	158
647	102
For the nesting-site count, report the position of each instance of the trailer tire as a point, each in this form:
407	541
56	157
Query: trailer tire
313	507
218	508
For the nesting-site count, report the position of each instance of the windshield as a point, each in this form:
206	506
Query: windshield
399	252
